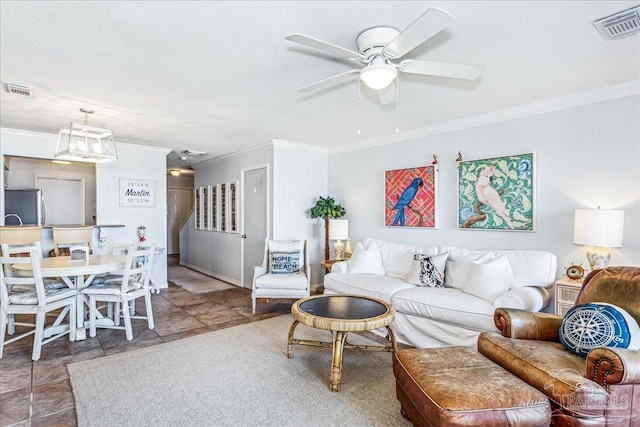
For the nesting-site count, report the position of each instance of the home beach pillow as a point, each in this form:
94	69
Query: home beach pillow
592	325
428	270
285	257
366	261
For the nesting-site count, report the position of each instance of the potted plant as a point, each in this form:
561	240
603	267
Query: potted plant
327	209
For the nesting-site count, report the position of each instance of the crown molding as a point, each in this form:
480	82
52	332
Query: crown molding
296	146
226	157
54	137
554	104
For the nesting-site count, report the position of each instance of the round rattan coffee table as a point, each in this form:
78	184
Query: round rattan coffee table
341	314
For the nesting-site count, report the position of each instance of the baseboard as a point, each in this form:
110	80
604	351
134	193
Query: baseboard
212	274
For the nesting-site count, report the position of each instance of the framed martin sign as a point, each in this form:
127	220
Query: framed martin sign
137	192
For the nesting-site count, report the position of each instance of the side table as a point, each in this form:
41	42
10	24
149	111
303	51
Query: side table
327	263
566	293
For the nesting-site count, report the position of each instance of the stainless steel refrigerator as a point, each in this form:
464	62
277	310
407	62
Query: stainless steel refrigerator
24	207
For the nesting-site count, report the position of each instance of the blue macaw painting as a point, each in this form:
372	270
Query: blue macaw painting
410	197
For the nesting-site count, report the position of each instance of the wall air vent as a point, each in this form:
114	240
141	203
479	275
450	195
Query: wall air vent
619	25
16	89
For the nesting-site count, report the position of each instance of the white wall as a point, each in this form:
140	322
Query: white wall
587	156
299	178
128	165
213	252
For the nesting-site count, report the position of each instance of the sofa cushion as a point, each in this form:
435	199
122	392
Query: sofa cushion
489	279
592	325
428	270
282	281
446	305
550	368
366	261
381	287
397	257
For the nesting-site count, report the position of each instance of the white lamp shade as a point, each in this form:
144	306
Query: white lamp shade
378	74
338	229
598	227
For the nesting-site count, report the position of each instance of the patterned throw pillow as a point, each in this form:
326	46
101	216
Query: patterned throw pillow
428	270
285	262
592	325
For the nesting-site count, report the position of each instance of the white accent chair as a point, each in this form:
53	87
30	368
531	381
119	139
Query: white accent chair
39	302
133	284
282	282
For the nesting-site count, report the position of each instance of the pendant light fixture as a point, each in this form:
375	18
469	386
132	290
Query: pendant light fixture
84	143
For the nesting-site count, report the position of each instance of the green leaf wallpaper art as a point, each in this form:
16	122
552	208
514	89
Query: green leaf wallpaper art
497	193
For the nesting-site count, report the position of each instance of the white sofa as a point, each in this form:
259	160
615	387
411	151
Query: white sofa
448	316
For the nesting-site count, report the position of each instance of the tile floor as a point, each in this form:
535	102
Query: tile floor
39	393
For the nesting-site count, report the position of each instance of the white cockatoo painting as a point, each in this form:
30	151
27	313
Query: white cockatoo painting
488	195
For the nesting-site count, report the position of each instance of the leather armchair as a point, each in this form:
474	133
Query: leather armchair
604	388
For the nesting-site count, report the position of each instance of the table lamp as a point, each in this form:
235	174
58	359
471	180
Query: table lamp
338	231
601	229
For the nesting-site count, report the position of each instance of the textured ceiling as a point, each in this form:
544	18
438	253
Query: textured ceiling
220	76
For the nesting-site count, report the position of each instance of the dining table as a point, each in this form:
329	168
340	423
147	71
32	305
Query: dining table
77	274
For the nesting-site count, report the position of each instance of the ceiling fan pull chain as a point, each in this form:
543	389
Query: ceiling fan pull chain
359	107
397	103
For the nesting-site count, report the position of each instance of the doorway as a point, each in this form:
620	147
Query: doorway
255	219
179	205
64	198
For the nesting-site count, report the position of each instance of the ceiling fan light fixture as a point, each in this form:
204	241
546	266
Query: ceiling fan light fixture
174	172
378	74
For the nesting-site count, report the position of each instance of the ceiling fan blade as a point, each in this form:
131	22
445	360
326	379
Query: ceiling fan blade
326	82
327	47
428	25
388	95
442	69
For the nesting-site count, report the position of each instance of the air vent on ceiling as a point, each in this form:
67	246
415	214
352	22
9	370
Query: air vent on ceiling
621	24
193	153
16	89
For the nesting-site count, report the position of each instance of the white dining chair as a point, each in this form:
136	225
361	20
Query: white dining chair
38	302
115	248
64	237
134	284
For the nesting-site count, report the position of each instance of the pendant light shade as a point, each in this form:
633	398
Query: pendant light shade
84	143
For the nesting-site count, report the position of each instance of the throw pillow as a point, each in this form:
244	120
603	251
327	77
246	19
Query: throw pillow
286	246
428	270
366	261
489	280
285	262
592	325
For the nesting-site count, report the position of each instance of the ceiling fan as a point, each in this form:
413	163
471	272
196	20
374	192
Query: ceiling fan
379	46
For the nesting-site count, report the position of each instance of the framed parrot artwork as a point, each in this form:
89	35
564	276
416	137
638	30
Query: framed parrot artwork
410	197
497	193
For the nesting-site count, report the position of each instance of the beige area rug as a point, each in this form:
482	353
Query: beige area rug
237	377
196	282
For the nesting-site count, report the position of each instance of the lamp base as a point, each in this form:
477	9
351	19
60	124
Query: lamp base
598	258
338	247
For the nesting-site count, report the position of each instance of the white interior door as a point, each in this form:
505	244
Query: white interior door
255	219
64	199
179	204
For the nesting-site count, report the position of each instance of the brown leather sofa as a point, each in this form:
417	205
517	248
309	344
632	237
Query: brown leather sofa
602	390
